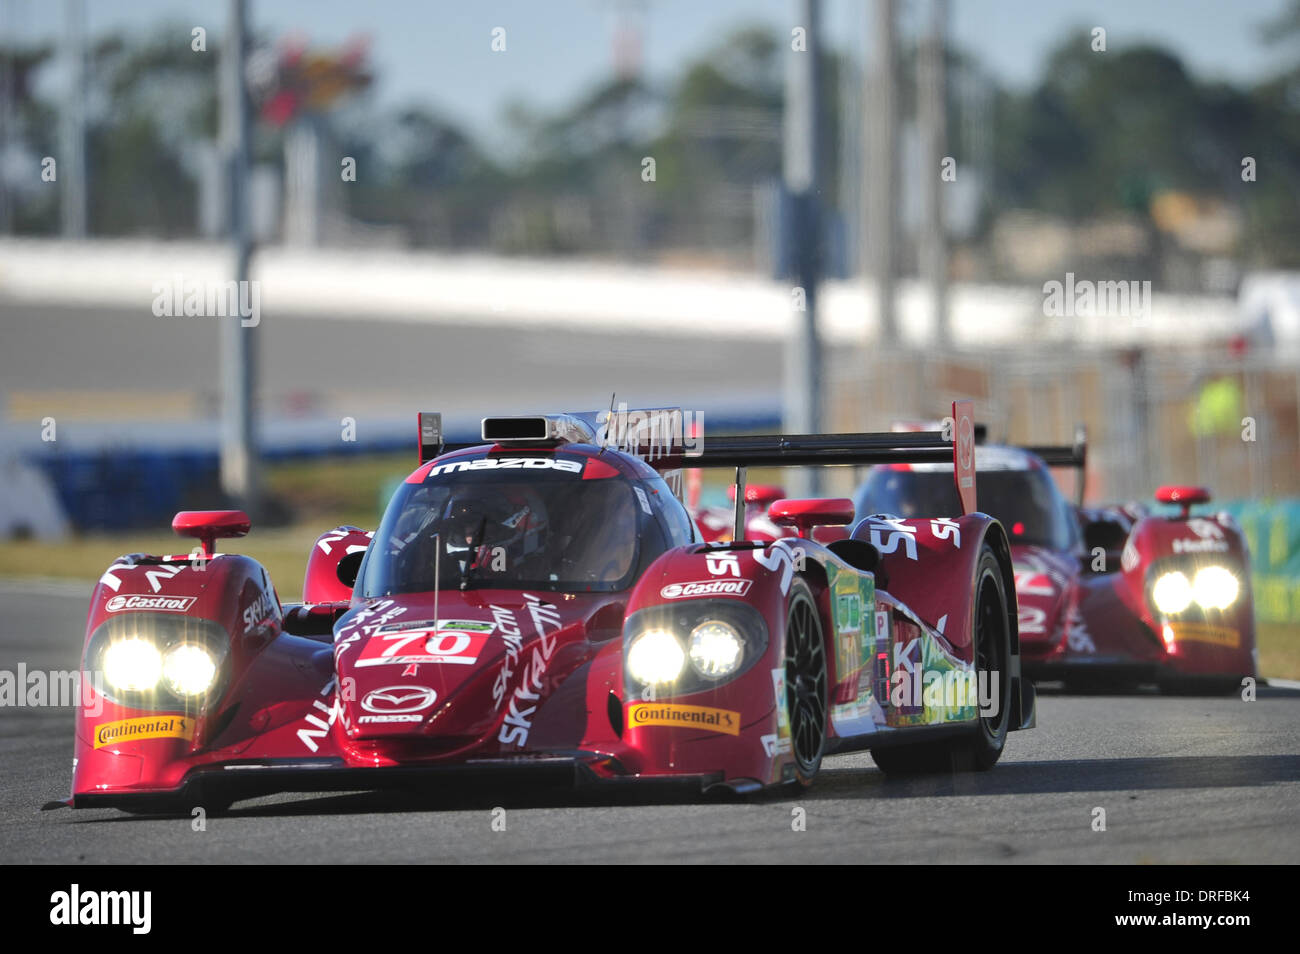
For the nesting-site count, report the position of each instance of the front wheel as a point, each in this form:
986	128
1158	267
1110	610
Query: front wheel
805	682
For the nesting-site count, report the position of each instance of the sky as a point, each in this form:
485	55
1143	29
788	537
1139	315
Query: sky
439	52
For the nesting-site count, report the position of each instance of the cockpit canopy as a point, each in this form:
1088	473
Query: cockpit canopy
1026	501
523	520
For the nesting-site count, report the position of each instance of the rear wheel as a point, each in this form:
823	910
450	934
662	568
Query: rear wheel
979	749
805	682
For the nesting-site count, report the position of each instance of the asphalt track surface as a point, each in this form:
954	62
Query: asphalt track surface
1180	779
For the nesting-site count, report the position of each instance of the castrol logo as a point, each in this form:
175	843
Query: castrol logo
677	591
133	601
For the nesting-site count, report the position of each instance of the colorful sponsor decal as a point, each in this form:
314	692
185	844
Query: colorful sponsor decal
881	670
692	717
853	605
161	604
1205	633
148	727
782	705
677	591
916	680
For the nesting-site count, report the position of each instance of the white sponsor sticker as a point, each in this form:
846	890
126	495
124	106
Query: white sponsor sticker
135	601
507	463
392	700
677	591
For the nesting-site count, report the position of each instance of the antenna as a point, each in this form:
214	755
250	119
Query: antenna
608	420
437	566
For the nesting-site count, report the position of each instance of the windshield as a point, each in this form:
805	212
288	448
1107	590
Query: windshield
531	529
1025	501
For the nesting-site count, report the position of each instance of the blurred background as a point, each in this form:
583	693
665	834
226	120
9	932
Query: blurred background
780	213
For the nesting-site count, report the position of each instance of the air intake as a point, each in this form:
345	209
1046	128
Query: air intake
538	429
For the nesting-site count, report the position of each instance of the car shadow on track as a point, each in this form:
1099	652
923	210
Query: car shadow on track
448	799
1073	775
1061	690
1012	778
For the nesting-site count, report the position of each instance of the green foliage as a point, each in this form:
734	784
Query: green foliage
1100	132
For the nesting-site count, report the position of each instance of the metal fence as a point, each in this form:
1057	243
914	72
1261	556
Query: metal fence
1231	423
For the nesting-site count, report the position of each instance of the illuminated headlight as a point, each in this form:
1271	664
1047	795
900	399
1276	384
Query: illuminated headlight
132	664
655	657
1215	587
189	670
1172	592
716	649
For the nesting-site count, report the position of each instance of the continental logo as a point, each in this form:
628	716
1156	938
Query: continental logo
150	727
690	717
138	601
677	591
1205	633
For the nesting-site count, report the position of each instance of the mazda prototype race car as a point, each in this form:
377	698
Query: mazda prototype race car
1109	597
540	607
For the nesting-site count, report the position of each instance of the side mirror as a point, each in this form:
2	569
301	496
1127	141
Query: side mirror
760	494
208	525
806	514
1182	495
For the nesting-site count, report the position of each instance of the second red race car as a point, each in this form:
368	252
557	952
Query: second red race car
1109	597
539	606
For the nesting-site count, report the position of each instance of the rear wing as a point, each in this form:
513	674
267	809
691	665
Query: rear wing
667	450
1072	455
804	450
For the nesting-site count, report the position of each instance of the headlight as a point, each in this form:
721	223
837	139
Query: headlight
1172	593
690	645
132	664
716	649
655	657
1215	587
159	661
189	670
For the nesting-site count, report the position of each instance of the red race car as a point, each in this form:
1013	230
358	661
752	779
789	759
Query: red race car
540	607
1109	597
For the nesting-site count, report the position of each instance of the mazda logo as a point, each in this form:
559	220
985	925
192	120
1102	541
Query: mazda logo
395	699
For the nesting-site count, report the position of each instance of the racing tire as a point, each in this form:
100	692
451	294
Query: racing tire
806	691
978	750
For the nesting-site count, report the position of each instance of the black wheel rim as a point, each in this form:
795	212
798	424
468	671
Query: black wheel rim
805	684
990	646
